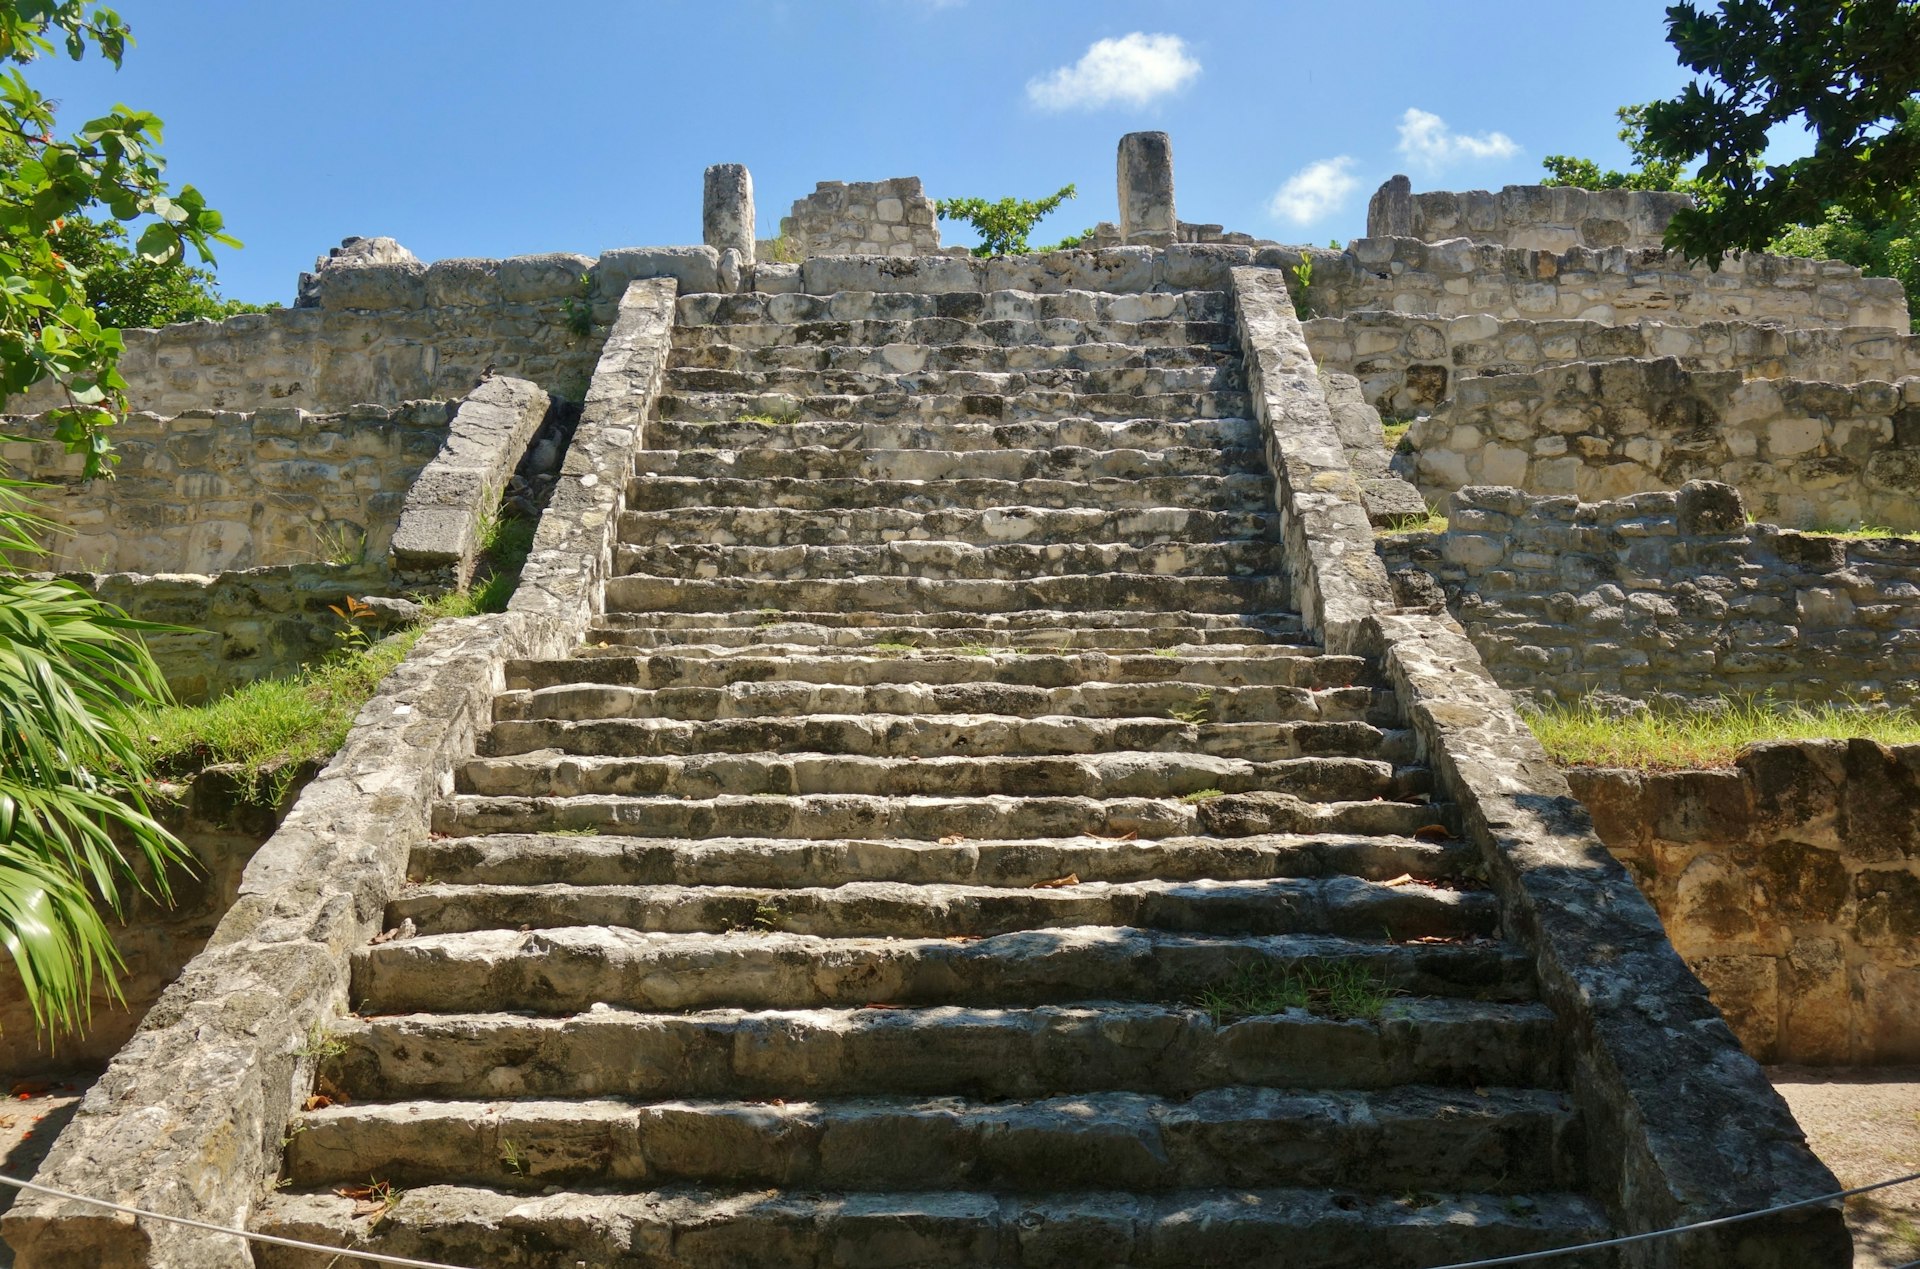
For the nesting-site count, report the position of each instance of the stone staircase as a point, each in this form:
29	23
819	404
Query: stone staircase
948	850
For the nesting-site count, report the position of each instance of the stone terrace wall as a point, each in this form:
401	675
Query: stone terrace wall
242	625
1538	217
1410	364
864	218
221	818
1791	885
1668	595
1802	454
207	491
378	333
1457	278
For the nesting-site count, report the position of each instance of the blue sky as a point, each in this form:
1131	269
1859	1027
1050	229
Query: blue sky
490	128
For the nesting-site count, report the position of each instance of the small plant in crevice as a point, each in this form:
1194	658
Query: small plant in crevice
1336	989
356	635
1302	286
1201	795
577	309
1199	712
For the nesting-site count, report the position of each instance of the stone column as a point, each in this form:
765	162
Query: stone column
1390	211
726	212
1146	190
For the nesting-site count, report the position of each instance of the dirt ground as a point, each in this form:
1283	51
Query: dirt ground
32	1115
1865	1125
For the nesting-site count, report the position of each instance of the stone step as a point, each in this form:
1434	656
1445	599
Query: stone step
1311	1228
1246	493
767	633
571	969
1172	1050
957	407
726	311
1195	704
820	816
916	358
916	595
533	859
1099	381
1147	434
1232	666
1089	775
922	736
1494	1140
943	560
1010	333
1072	463
1347	906
787	526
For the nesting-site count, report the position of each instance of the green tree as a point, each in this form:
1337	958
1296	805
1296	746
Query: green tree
124	288
75	833
1003	225
1847	70
1650	171
48	329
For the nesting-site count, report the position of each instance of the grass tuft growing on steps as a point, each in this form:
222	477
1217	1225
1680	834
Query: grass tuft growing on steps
1340	990
1707	734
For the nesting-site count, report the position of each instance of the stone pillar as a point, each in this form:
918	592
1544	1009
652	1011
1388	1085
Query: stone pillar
1146	190
726	212
1390	210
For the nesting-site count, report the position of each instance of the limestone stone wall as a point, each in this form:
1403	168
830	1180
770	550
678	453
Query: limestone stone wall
1612	286
206	491
1538	217
1669	594
871	218
374	333
240	625
1408	365
1804	454
1791	885
221	817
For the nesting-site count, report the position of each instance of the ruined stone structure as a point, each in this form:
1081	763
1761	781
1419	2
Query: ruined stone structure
1535	217
1802	453
1669	596
934	677
879	218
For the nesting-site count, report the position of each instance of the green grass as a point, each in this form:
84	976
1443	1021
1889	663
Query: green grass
1396	430
783	418
269	726
973	650
1342	989
1432	522
1670	739
1201	795
1861	533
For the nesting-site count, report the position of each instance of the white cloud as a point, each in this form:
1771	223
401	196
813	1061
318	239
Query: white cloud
1425	139
1313	191
1132	70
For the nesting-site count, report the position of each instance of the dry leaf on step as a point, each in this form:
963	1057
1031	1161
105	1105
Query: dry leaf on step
1404	879
952	839
1071	879
1433	832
